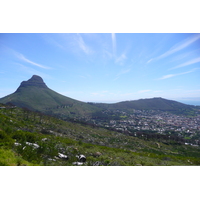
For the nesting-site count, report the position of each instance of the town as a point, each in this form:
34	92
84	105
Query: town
187	127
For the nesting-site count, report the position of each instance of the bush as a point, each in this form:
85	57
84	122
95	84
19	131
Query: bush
5	139
8	158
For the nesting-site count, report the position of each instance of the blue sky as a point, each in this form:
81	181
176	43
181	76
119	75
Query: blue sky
105	67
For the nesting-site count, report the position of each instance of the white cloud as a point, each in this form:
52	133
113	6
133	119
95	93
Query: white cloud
185	55
32	71
167	76
85	76
172	75
52	41
149	60
184	44
178	47
107	54
143	91
114	43
157	91
69	42
196	60
82	45
121	58
124	71
98	94
23	58
82	76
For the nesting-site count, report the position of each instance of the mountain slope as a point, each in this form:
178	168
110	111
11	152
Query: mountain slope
150	104
35	95
32	139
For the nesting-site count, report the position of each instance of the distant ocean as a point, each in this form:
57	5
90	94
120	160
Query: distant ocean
194	103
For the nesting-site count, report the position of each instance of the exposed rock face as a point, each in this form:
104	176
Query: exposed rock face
33	81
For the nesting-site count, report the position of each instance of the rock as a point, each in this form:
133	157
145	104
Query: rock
62	156
97	154
75	148
77	163
158	145
81	158
97	163
34	81
17	144
35	146
44	139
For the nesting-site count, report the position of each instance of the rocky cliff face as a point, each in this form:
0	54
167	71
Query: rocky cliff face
33	81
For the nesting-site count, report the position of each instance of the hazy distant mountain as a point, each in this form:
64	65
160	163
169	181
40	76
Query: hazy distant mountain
35	95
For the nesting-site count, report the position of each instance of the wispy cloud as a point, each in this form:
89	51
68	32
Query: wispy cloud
69	42
196	60
23	58
52	41
30	70
157	91
177	47
143	91
114	43
107	54
121	58
167	76
82	45
99	94
172	75
85	76
124	71
149	60
185	55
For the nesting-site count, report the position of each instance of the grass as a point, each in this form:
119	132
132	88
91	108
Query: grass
9	158
100	146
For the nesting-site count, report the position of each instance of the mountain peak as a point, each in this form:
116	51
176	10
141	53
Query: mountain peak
35	80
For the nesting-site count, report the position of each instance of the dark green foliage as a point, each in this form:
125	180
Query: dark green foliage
5	140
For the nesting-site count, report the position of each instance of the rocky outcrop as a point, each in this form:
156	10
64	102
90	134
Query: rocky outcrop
33	81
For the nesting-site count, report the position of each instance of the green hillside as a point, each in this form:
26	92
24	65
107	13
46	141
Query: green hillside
35	95
21	130
150	104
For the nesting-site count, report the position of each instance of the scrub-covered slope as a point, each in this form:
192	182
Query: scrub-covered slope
35	95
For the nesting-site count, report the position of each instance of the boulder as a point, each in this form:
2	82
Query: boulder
81	158
62	156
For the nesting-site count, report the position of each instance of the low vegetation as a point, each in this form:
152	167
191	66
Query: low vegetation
32	138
